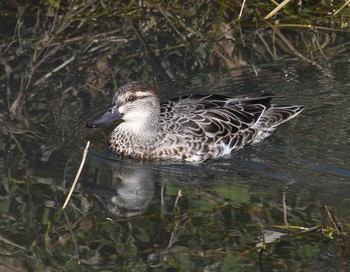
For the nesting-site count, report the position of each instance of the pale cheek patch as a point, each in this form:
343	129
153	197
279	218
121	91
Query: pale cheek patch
136	116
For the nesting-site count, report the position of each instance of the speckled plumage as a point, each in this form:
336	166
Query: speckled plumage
192	127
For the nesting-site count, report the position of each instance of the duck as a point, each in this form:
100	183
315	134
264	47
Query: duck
191	128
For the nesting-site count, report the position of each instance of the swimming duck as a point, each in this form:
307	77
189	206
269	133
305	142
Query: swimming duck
192	127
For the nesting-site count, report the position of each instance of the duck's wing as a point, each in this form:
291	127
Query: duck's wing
212	115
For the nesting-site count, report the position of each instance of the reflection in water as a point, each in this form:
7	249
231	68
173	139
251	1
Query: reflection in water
131	191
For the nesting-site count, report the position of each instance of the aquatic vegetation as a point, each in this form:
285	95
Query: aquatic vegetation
184	227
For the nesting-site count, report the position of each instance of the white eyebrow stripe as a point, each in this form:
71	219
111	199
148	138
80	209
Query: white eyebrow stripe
143	94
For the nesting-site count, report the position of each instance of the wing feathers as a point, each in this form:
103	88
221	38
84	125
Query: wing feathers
215	115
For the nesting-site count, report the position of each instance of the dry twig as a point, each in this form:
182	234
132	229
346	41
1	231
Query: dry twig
77	175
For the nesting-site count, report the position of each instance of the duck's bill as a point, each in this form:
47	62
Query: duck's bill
108	117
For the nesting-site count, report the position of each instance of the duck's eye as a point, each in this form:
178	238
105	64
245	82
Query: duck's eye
131	98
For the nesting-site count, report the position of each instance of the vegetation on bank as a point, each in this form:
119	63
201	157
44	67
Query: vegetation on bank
104	40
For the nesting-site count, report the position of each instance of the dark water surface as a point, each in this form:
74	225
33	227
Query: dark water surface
163	216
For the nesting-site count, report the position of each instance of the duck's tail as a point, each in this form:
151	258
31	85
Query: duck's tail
279	114
274	116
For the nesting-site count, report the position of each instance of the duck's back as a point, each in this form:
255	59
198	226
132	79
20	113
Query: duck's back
216	125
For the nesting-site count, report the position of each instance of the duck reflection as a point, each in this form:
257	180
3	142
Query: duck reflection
131	190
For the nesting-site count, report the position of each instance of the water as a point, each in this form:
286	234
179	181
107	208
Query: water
169	216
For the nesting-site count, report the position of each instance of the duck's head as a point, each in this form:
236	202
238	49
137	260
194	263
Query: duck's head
135	103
